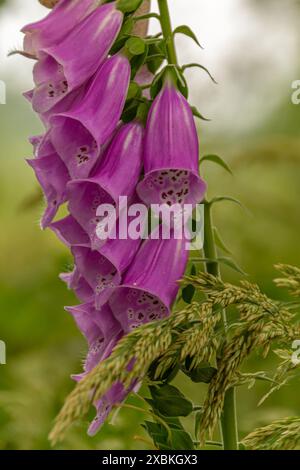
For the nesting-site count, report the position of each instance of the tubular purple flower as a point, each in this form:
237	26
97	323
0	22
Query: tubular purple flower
79	134
150	285
53	177
101	330
78	284
115	396
70	232
116	176
103	269
65	66
171	152
57	24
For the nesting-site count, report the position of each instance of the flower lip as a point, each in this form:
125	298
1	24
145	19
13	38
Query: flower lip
49	31
131	316
80	134
164	186
81	288
70	232
75	144
150	284
171	156
84	197
66	66
53	177
99	271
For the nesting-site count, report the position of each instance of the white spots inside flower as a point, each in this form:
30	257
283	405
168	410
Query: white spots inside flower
96	202
130	313
82	155
97	346
58	89
143	307
105	281
173	186
95	221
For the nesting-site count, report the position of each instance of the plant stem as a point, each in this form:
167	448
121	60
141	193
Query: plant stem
228	418
165	21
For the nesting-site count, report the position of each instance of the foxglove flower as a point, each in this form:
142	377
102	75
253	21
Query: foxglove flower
79	134
171	152
116	176
52	175
150	285
101	330
57	24
115	396
70	232
101	270
65	66
78	284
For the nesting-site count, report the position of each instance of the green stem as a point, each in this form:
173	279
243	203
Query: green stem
229	417
228	420
165	21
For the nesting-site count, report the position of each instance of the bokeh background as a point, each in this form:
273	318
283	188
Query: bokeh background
252	49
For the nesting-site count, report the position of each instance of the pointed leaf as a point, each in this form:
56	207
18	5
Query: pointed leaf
186	30
169	401
217	160
231	264
188	66
228	199
197	114
201	374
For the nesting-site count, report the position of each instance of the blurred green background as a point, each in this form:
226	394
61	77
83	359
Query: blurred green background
255	127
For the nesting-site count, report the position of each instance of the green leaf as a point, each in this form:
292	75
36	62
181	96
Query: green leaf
156	56
219	241
169	401
146	17
189	291
197	114
228	199
126	28
188	66
138	61
179	79
186	30
136	45
201	374
217	160
128	6
130	111
134	91
231	264
179	439
157	83
167	376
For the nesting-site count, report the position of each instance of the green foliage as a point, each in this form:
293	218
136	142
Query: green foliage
186	30
128	6
169	401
